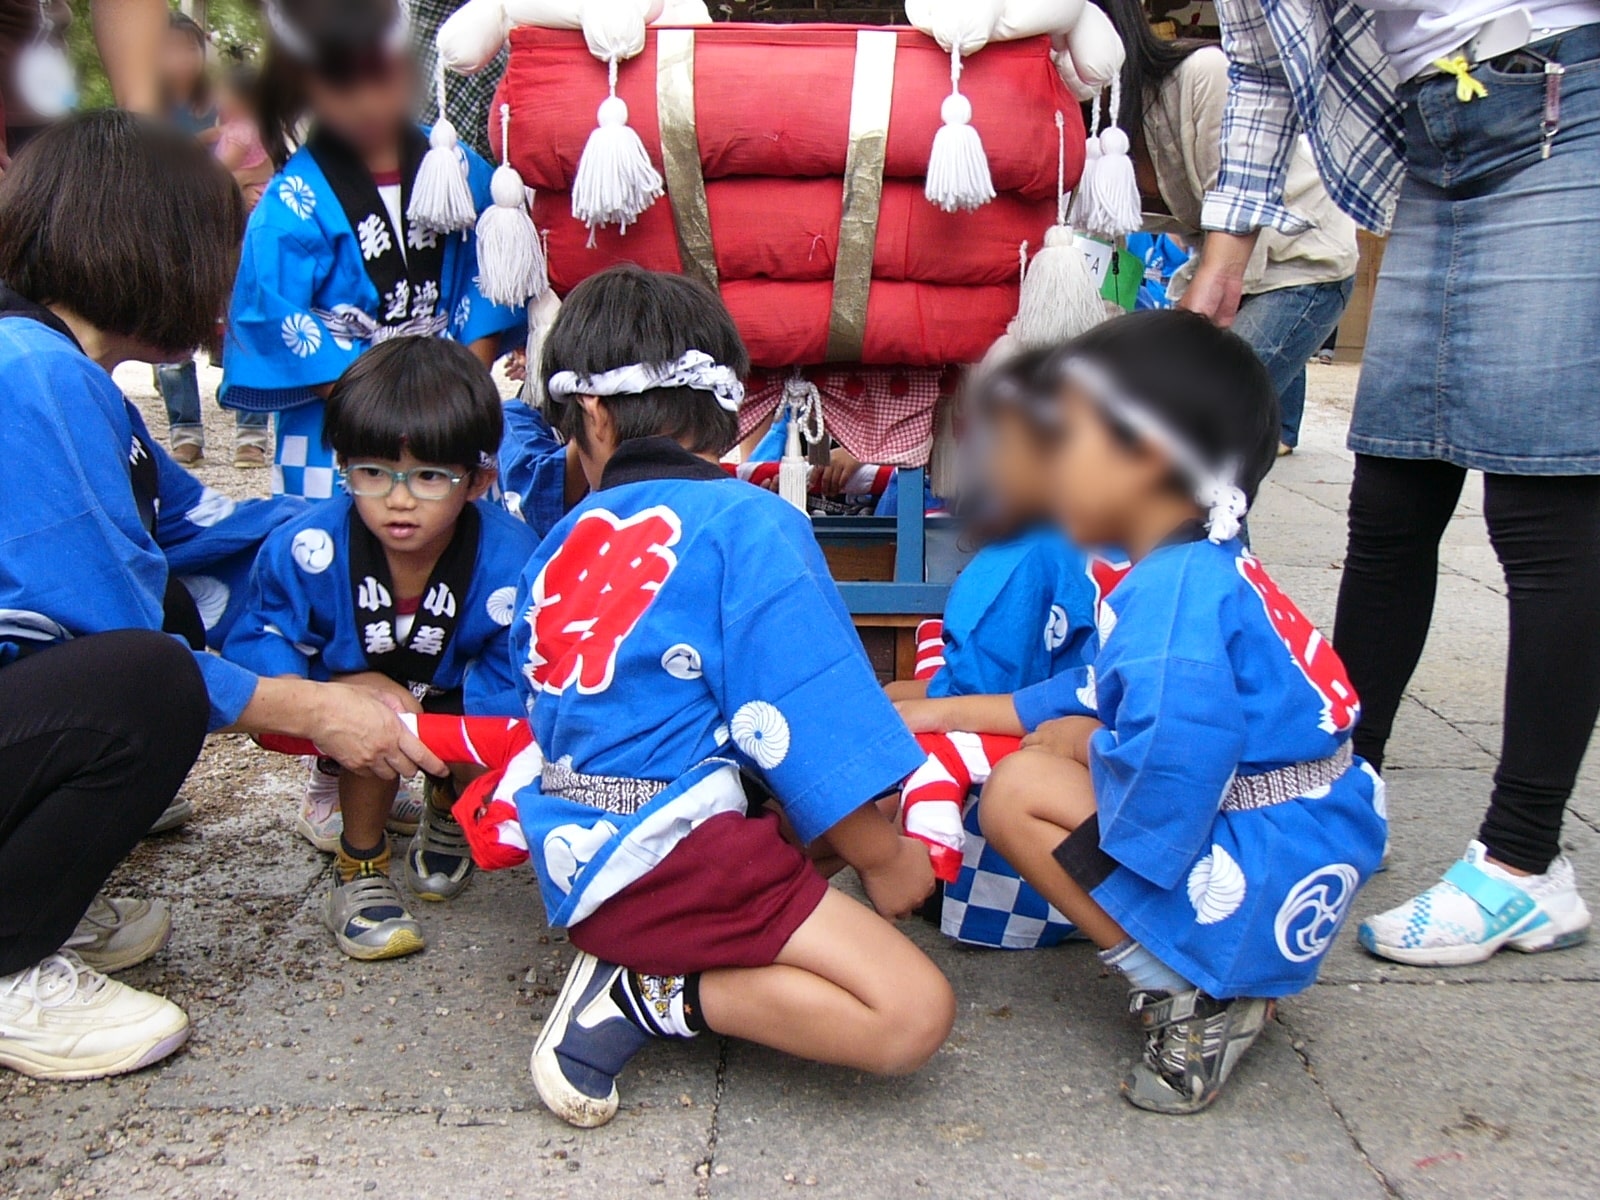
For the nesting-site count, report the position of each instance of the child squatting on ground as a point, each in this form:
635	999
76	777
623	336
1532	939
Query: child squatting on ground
404	584
1190	801
643	637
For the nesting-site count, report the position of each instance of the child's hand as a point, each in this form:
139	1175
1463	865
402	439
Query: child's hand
394	693
899	884
925	716
1065	737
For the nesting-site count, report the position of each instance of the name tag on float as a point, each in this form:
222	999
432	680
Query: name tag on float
1099	255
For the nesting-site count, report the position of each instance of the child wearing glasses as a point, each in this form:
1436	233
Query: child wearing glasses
405	585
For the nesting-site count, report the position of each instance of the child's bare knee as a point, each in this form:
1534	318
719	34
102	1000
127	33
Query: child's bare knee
917	1024
1004	797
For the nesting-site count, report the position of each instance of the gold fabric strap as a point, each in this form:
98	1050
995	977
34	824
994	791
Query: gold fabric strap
870	98
680	154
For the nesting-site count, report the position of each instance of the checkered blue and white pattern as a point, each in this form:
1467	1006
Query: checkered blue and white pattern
1311	66
990	905
303	466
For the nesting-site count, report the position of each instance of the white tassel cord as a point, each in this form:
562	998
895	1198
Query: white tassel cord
802	407
1114	209
616	181
511	262
1059	298
441	197
958	168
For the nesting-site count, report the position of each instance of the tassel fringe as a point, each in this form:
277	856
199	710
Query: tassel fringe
615	181
441	197
511	261
958	168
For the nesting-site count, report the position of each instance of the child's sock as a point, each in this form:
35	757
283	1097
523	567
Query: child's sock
350	862
661	1005
1143	970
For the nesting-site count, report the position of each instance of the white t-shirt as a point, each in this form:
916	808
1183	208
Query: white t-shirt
389	193
1415	32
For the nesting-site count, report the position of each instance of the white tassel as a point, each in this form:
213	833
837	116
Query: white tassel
616	181
1060	298
944	464
1078	210
958	168
511	263
794	472
441	197
1225	506
1114	209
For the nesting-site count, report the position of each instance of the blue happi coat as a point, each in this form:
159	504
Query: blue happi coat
1022	611
306	616
1208	671
533	467
306	273
678	625
81	552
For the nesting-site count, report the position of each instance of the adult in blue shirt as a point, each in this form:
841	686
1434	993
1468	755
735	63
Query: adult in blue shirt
117	243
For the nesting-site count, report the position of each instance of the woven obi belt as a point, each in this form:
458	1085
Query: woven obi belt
1286	783
616	794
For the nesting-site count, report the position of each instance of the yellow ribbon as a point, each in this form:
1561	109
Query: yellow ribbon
1467	88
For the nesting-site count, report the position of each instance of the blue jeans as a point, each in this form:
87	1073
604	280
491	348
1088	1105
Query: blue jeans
180	389
1285	327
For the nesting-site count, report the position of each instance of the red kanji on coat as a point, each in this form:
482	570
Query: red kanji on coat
592	593
1309	649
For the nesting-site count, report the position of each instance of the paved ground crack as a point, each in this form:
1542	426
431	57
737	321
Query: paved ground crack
707	1166
1299	1047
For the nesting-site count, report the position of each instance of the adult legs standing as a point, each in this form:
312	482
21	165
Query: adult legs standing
1285	327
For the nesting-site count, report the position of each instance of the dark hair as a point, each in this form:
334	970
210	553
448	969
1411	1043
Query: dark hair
430	396
1205	383
244	80
1149	58
1021	384
627	315
183	23
338	40
128	222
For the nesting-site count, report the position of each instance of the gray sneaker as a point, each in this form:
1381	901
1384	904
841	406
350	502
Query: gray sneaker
438	861
115	934
175	814
1192	1045
368	919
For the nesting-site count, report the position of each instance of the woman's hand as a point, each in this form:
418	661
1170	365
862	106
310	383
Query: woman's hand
360	727
1065	737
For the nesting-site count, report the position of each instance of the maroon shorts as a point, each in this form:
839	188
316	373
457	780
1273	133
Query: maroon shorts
731	894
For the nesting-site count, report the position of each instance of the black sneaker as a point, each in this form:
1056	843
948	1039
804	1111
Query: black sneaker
584	1044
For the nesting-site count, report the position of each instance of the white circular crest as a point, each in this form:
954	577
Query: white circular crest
298	197
210	597
682	662
1313	911
1216	887
312	550
1105	621
502	603
762	732
720	735
1088	694
568	849
302	334
1056	629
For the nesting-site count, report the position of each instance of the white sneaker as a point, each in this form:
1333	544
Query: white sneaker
116	934
320	822
62	1020
1476	909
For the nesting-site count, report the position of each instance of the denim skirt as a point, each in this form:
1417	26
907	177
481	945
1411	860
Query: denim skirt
1484	344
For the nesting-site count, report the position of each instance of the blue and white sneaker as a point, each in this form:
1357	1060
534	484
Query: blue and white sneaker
1476	909
585	1043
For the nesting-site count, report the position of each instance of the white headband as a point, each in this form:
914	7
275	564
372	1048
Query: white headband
291	39
1214	489
696	369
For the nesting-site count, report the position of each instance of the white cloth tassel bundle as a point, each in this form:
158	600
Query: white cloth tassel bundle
511	262
616	181
958	168
1113	208
441	197
794	470
1079	209
1059	298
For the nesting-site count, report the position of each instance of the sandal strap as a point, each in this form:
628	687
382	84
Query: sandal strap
1503	903
1156	1010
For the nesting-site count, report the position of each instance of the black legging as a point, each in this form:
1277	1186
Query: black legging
96	737
1546	534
